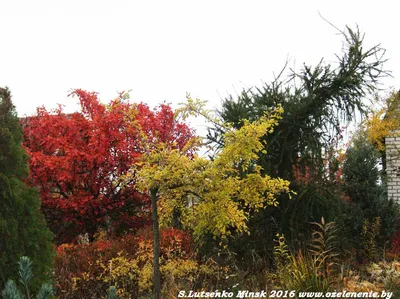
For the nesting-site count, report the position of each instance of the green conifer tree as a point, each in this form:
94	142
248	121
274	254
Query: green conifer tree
366	187
23	230
317	102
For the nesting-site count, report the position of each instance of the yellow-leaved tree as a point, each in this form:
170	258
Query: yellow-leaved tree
384	122
212	196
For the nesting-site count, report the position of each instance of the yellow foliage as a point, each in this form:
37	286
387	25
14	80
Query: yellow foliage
134	275
146	277
213	196
179	273
180	269
121	272
384	122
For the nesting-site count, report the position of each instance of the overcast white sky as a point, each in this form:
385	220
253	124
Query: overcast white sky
163	49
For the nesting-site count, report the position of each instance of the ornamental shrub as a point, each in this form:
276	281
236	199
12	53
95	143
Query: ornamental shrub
126	263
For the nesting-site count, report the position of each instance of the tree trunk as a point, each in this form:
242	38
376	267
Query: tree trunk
156	245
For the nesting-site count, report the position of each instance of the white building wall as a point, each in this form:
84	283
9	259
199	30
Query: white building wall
392	145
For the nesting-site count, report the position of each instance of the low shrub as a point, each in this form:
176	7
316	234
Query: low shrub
126	263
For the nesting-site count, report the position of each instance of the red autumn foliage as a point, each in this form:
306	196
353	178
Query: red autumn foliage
173	242
302	175
77	159
395	244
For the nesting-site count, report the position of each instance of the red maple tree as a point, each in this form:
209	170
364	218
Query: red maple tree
76	161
